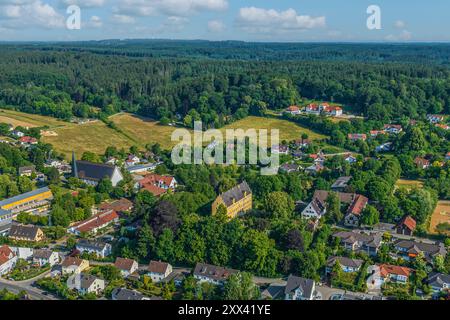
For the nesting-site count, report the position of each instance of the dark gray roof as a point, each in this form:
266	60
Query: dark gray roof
428	249
126	294
237	193
94	171
42	253
27	168
341	182
213	272
23	231
344	261
438	279
93	245
86	280
306	285
273	291
349	237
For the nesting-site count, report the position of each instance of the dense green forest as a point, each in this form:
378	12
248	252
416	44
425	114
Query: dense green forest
221	82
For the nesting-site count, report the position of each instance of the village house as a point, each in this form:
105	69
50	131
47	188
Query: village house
126	266
101	249
346	264
142	168
73	265
236	201
212	274
315	168
385	147
127	295
95	223
350	159
376	133
159	271
317	207
439	282
280	149
302	143
312	108
120	206
22	232
27	171
410	249
422	163
341	184
447	156
360	242
357	136
299	288
289	168
293	110
91	173
158	184
18	134
435	118
27	141
7	259
397	274
406	226
393	128
132	160
42	257
85	283
442	126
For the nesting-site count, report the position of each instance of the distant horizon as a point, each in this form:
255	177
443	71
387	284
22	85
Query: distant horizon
285	21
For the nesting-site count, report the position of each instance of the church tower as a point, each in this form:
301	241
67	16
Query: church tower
74	165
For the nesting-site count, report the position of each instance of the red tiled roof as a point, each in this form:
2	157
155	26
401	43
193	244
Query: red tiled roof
96	221
293	108
155	190
5	252
358	205
28	139
158	266
387	269
155	178
409	222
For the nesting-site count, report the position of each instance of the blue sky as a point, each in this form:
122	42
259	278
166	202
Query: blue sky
249	20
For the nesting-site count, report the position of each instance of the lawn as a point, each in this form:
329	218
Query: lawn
288	130
409	184
440	215
94	137
28	120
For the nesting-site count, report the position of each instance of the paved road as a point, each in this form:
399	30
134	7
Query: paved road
34	293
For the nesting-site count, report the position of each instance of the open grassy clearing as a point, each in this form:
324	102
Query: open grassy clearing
28	120
409	184
94	137
288	130
440	215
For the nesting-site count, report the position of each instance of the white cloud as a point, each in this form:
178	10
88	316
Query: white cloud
95	22
123	19
169	7
403	36
257	20
216	26
400	24
84	3
17	14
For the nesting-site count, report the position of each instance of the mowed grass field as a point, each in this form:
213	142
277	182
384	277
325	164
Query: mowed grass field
134	130
288	130
28	120
408	184
440	215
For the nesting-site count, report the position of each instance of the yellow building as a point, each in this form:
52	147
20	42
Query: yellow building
237	200
28	201
26	233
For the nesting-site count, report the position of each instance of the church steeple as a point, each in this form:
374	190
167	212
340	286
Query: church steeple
74	165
